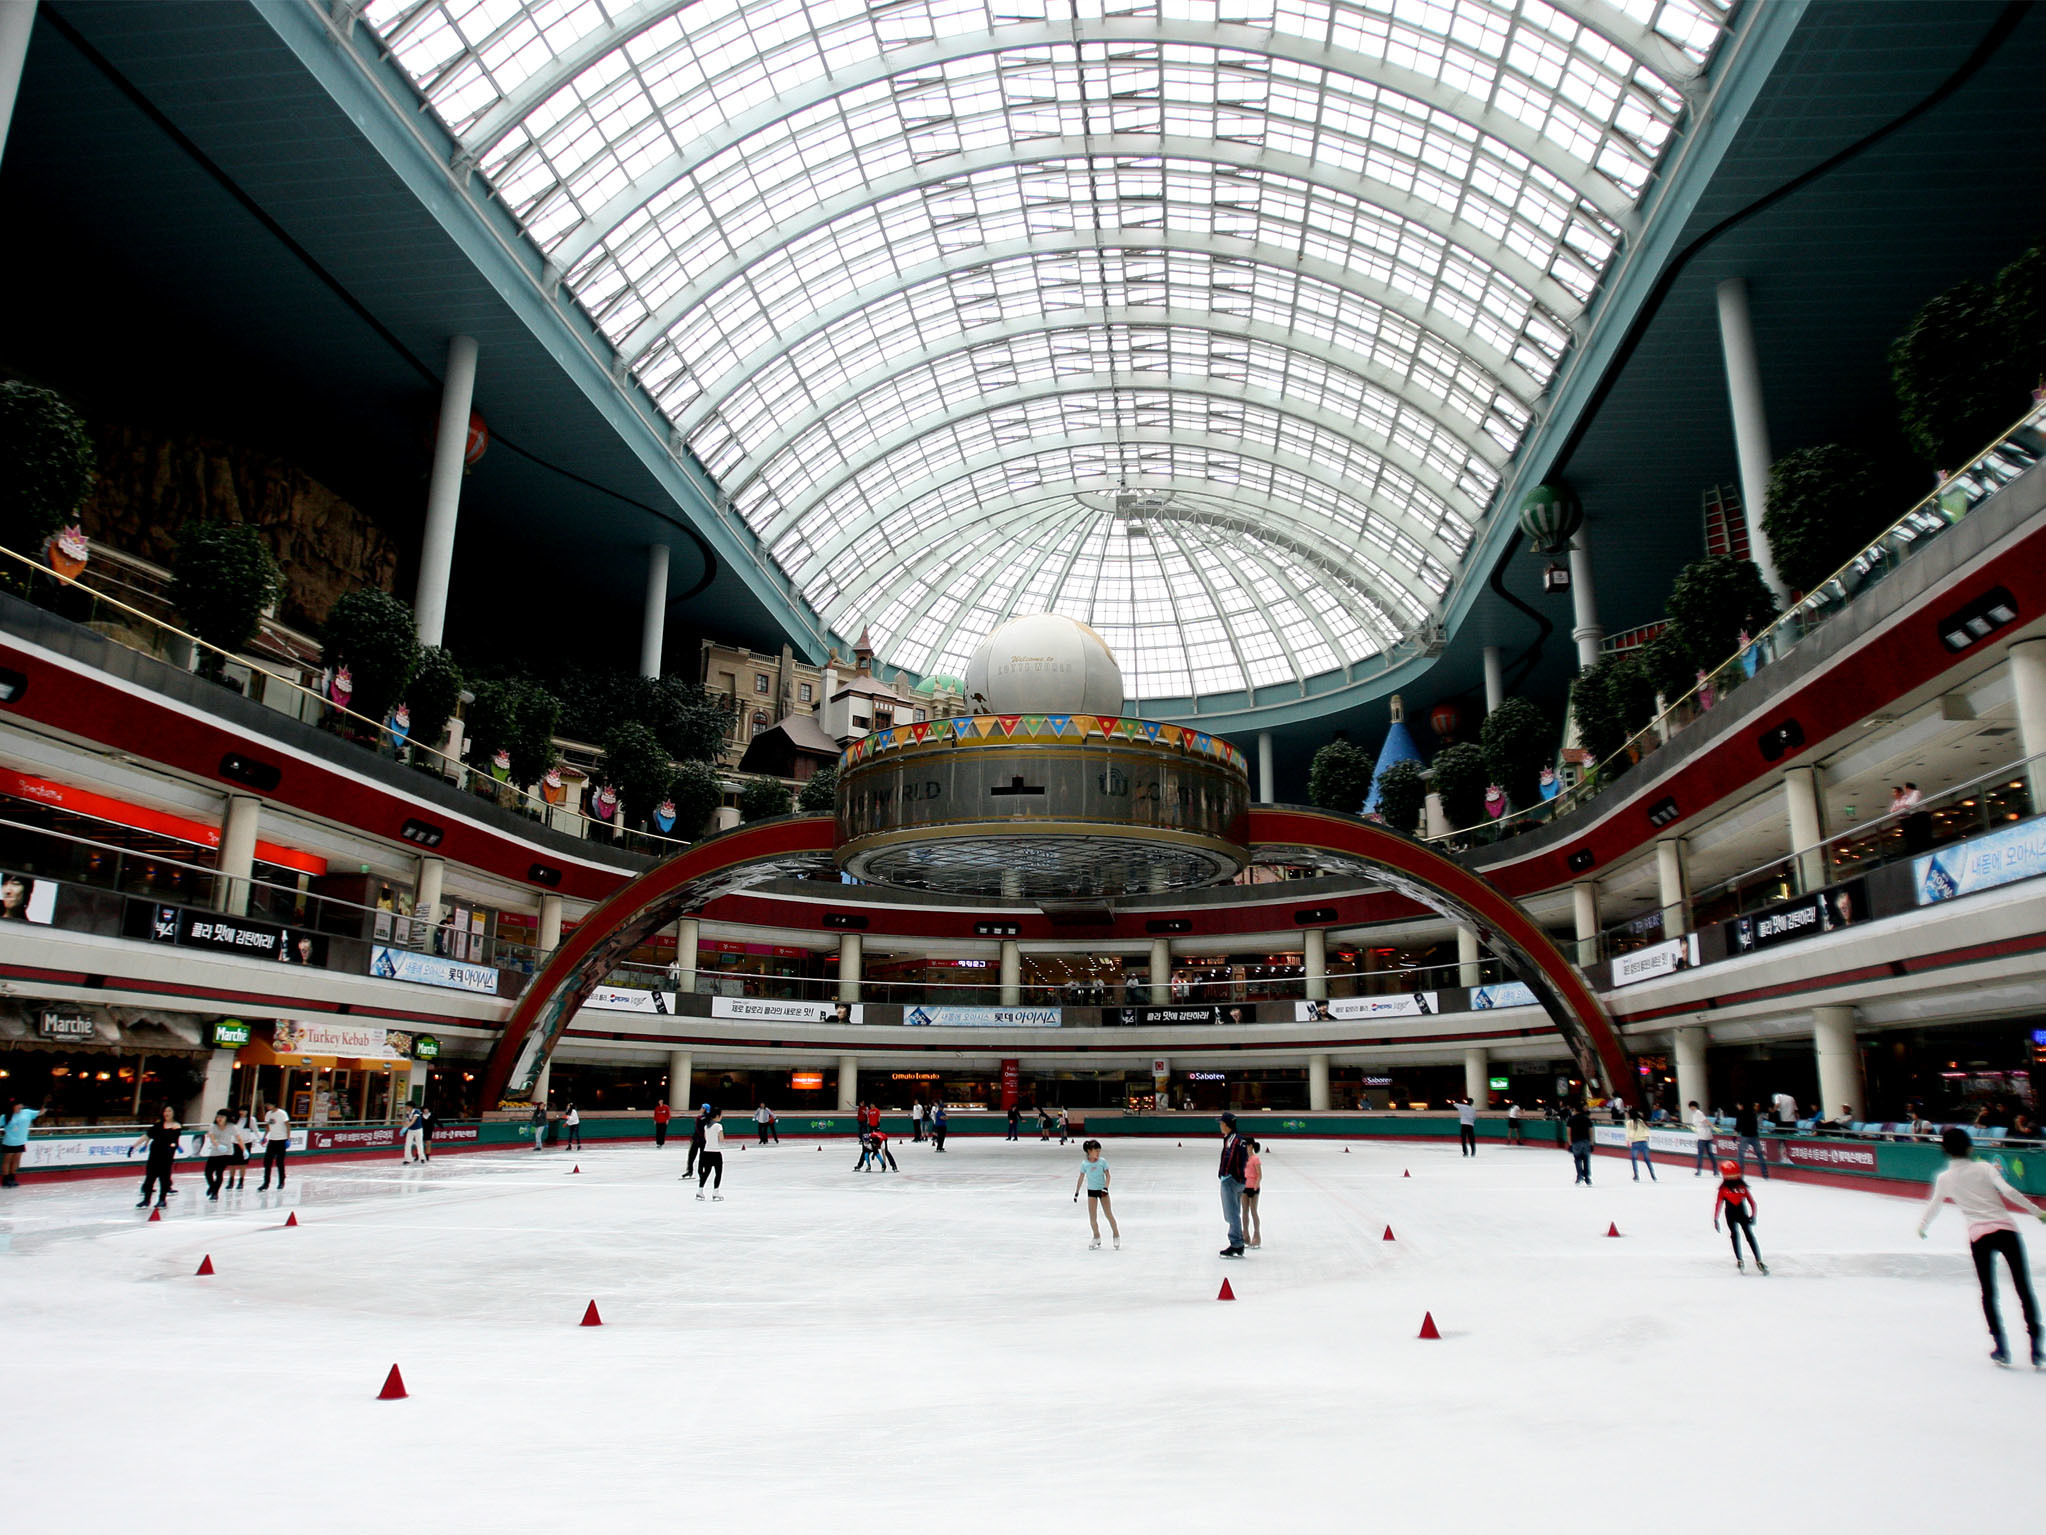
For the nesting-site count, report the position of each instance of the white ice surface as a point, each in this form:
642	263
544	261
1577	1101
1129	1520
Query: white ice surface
939	1349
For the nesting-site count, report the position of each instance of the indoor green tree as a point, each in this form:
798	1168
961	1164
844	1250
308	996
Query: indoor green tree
1518	742
1461	778
1825	504
517	717
763	798
46	466
222	579
1713	601
432	697
1957	375
697	791
637	766
1339	778
1610	702
1402	795
375	636
819	794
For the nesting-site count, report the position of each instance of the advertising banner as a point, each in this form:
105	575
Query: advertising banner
1012	1080
369	1137
1412	1004
1980	863
432	970
982	1017
1657	959
1186	1012
24	898
190	928
1505	994
630	999
1823	911
1837	1156
780	1010
55	1151
1676	1143
362	1041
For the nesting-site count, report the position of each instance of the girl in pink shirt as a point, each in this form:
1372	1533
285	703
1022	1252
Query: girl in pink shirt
1253	1180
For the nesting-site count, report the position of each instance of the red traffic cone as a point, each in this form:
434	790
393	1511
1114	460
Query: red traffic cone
1428	1325
1227	1293
1388	1237
157	1213
1612	1228
292	1220
1346	1151
577	1168
394	1387
205	1266
590	1317
1405	1173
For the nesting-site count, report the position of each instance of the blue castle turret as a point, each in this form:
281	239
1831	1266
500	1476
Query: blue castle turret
1399	747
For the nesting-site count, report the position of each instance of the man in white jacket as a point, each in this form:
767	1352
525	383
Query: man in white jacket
1701	1126
1987	1204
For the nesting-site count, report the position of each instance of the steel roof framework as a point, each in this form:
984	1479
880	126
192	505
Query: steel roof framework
928	284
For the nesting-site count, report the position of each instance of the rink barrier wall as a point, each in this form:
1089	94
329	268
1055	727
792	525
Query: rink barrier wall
1891	1167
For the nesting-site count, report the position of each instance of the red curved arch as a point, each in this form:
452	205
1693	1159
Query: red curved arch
1278	834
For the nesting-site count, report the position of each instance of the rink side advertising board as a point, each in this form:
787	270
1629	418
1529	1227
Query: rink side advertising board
1822	1156
370	1137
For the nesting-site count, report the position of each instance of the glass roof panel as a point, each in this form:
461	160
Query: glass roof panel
1212	322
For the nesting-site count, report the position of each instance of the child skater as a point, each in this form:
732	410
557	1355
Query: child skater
1094	1174
710	1165
1986	1203
1253	1181
1739	1206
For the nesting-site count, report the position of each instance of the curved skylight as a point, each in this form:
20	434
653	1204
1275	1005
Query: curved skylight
1211	322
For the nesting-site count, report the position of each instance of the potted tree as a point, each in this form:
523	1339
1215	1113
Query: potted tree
763	799
1339	778
1518	742
1402	795
222	580
372	637
46	470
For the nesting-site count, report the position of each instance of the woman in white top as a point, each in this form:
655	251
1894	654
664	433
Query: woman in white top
572	1127
1987	1204
222	1137
712	1158
1701	1127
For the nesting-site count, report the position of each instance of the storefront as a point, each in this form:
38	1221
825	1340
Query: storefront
91	1065
328	1073
965	981
728	969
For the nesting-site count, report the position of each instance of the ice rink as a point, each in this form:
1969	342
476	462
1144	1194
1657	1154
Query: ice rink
938	1349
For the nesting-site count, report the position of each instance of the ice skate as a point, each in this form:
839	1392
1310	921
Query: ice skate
2000	1355
1095	1245
1740	1265
1231	1252
1118	1248
699	1199
1761	1267
718	1199
2038	1355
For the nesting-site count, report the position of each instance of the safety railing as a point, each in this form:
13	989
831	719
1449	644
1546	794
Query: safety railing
127	625
2003	461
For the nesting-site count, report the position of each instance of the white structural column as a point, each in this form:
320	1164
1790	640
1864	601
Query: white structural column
1161	971
1265	788
1691	1078
548	936
1477	1076
848	1083
654	623
849	967
681	1069
1669	883
2028	689
1750	423
426	893
1468	955
17	21
213	1089
1584	907
1841	1084
237	859
1314	961
1317	1083
1012	973
686	939
444	492
544	1088
1585	627
1801	806
1495	679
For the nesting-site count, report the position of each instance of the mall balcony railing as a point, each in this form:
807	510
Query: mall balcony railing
2002	462
1992	800
265	683
349	931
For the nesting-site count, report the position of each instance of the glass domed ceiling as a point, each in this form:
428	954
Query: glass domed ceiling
1212	323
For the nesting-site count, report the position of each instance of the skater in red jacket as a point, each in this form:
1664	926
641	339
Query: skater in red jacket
1738	1204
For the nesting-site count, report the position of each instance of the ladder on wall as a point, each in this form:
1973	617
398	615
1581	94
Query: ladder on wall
1726	523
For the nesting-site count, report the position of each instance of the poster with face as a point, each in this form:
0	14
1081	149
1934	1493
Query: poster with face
24	898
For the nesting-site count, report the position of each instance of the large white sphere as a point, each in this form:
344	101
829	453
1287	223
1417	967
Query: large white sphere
1044	664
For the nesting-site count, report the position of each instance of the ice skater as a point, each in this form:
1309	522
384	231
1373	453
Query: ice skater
916	1120
276	1142
939	1124
763	1125
540	1127
14	1141
162	1140
415	1136
1253	1185
1747	1130
1513	1134
662	1114
1701	1126
1737	1203
874	1149
1467	1126
1987	1203
1229	1174
572	1126
695	1143
1065	1125
710	1162
1637	1146
1578	1128
222	1136
245	1143
1094	1175
1015	1120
